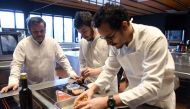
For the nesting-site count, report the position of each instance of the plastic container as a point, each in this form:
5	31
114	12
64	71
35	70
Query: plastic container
78	91
72	87
60	95
65	104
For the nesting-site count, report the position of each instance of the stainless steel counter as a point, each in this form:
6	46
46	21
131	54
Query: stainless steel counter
5	64
46	85
182	71
40	86
6	57
182	64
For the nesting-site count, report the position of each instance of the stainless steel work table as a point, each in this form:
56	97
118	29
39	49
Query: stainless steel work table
182	71
38	87
182	64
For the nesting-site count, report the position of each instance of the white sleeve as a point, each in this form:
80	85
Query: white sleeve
16	64
63	61
109	71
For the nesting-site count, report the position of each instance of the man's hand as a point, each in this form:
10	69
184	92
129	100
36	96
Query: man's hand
86	72
82	98
75	77
87	94
9	87
80	101
96	103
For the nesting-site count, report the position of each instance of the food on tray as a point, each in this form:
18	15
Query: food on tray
84	98
60	95
78	91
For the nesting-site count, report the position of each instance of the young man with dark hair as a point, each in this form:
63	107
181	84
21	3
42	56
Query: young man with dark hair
142	51
93	51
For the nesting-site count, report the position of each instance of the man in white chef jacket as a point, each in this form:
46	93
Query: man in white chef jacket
143	53
39	54
93	51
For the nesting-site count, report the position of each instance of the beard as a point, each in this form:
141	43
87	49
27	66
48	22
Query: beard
91	36
39	39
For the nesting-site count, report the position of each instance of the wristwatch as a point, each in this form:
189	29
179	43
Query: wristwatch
111	102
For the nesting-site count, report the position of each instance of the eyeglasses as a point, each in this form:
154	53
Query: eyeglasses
109	37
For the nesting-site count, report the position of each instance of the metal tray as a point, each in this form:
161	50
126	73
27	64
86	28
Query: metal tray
68	104
65	104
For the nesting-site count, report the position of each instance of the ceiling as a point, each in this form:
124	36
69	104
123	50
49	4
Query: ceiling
135	7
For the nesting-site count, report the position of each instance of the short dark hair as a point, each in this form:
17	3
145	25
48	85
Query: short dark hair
112	14
82	18
34	20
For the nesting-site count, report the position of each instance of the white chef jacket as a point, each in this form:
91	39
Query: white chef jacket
93	54
39	60
149	67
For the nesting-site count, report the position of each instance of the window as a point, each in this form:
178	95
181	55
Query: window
118	2
58	29
56	26
85	0
112	1
100	2
19	20
49	27
93	1
7	19
68	29
106	1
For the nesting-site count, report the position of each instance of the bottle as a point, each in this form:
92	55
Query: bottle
25	94
181	47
